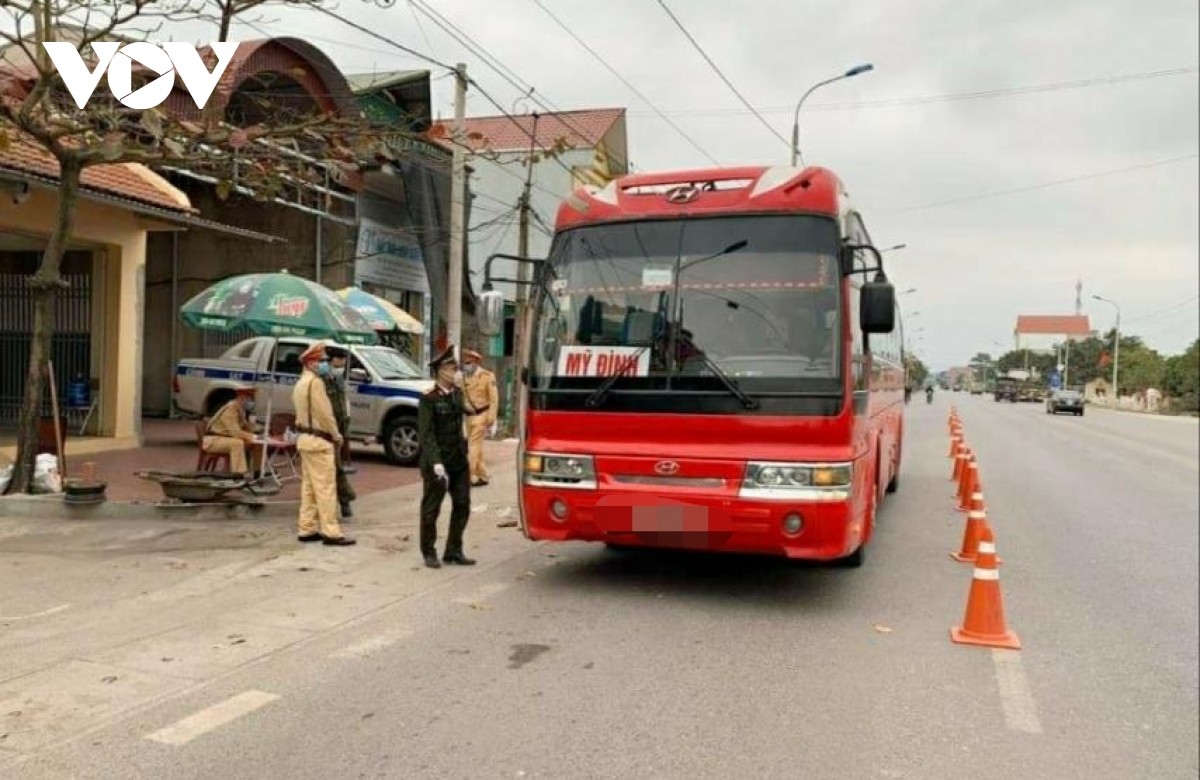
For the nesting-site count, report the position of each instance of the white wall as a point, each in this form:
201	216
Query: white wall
497	186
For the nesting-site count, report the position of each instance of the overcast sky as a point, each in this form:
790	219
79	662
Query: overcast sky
1130	234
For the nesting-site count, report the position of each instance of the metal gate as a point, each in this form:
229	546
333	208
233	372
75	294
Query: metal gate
214	343
71	348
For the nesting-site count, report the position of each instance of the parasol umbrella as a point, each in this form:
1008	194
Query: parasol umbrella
380	312
277	305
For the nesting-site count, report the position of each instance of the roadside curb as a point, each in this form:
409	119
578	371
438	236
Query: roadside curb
53	507
401	500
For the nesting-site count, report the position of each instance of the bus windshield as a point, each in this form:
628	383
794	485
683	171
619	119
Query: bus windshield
664	303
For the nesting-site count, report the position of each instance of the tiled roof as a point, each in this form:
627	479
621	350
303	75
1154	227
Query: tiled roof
127	180
502	133
1069	325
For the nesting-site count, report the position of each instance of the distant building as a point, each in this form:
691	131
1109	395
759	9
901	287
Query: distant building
1042	333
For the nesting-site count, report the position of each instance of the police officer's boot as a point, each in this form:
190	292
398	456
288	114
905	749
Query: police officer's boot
431	560
346	511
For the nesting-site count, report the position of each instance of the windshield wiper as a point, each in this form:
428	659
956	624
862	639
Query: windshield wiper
597	396
749	403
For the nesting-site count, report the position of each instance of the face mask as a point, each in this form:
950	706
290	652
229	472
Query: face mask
249	407
323	368
458	377
469	369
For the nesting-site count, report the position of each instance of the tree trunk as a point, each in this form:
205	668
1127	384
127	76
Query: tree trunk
45	284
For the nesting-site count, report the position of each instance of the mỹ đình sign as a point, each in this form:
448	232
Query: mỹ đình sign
603	361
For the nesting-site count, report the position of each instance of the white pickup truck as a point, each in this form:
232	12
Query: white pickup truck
383	388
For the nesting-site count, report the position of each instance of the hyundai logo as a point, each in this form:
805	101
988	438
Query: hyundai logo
666	467
685	193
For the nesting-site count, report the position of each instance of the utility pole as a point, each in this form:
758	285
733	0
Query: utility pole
458	185
524	209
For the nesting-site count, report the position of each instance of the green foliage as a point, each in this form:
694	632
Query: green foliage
1181	379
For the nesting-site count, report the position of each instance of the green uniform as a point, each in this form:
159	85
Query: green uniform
440	427
335	388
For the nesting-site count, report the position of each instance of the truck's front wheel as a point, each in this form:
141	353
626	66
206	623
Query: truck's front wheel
400	441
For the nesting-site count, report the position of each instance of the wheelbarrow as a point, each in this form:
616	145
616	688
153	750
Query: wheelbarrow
203	487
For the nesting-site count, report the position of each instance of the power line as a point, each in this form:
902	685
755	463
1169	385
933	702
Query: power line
728	83
532	136
1176	327
492	61
944	97
1044	185
369	32
416	18
626	82
1160	312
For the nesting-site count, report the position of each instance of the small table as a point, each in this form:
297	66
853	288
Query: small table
281	456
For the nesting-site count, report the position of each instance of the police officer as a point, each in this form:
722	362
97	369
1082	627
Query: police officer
229	431
482	401
335	388
319	439
444	466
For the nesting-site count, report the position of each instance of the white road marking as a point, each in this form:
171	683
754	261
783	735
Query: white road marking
43	613
365	648
480	594
212	718
1020	710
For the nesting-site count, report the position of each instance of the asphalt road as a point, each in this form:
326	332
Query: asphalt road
575	661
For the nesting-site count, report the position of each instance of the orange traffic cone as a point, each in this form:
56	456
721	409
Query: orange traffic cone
983	624
976	522
960	462
961	487
970	484
955	440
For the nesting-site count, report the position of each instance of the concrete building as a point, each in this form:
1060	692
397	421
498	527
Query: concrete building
559	152
99	321
140	248
1042	333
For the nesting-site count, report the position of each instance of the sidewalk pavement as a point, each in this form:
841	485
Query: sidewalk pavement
170	445
101	618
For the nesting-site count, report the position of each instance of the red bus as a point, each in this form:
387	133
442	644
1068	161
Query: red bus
714	362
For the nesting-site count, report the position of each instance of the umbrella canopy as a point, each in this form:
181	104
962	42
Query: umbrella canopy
381	313
278	305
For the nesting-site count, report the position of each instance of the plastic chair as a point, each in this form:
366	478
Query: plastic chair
208	461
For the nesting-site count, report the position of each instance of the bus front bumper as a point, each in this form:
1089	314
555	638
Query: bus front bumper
819	530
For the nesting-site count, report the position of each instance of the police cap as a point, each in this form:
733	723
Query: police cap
446	356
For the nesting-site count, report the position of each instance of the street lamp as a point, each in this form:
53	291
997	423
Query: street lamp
856	70
1116	345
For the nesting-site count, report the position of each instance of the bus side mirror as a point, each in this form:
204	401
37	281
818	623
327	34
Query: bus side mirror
877	307
491	312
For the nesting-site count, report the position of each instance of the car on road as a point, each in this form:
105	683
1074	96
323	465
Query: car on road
1065	401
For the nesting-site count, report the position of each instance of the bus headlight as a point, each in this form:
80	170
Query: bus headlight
543	469
798	481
